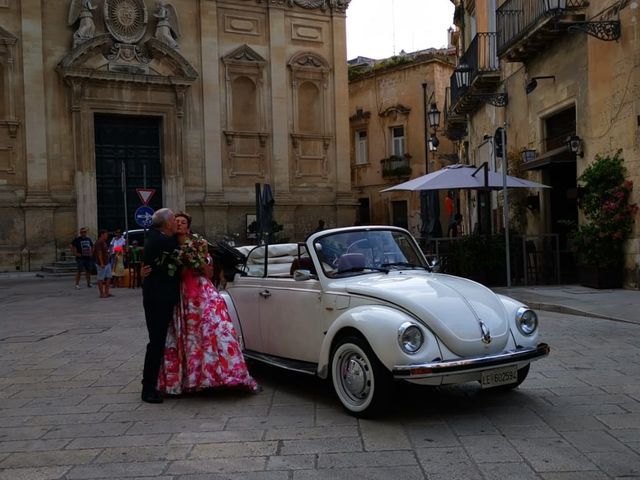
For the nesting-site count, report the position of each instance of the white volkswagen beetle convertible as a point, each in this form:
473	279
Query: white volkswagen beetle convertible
361	306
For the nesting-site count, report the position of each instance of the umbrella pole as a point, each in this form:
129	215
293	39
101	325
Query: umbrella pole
505	206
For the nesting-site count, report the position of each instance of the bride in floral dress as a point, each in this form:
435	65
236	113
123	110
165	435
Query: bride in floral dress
202	350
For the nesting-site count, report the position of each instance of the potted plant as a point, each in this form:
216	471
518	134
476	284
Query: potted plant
599	241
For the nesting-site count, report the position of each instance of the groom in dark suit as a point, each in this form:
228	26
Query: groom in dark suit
160	294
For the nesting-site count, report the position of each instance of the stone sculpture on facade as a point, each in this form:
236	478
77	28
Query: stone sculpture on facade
82	10
167	28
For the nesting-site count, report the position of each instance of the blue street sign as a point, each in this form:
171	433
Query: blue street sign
143	216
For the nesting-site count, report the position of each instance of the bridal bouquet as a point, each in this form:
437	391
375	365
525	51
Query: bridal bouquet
193	253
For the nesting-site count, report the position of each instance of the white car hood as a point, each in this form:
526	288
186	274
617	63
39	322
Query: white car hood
452	307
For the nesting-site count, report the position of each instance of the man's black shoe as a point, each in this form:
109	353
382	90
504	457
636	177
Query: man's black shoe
151	396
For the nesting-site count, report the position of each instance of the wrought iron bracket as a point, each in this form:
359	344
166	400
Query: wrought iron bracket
608	30
495	99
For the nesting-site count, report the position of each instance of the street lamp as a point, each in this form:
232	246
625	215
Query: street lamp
434	117
555	7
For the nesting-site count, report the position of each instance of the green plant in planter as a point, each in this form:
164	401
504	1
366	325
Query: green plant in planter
604	200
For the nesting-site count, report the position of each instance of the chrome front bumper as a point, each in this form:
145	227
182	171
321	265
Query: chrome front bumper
465	365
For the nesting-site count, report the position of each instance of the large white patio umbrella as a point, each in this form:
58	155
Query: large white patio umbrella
466	177
470	177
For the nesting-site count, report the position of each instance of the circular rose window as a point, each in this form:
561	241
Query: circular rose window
126	20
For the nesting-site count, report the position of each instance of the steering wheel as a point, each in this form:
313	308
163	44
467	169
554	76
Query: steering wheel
361	244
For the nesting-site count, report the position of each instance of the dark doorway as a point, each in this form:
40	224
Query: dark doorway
399	214
364	216
132	142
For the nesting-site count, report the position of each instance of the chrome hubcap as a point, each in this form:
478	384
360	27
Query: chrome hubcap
354	375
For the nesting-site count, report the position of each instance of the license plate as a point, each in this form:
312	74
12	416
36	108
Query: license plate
499	376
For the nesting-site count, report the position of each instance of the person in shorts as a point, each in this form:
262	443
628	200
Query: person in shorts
82	249
103	263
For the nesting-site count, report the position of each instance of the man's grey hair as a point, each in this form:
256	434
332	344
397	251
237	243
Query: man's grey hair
160	217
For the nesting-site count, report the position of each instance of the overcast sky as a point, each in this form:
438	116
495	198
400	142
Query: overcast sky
419	24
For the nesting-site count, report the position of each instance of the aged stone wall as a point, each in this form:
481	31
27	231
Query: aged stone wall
246	91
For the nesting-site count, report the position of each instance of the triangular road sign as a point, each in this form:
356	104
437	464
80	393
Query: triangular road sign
145	194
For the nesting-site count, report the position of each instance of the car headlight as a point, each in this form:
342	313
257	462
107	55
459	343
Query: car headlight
526	321
410	338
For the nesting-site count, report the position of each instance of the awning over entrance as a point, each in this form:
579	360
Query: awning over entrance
557	155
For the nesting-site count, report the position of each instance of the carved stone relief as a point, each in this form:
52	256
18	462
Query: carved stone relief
126	20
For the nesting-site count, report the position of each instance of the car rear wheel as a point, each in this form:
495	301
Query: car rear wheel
361	382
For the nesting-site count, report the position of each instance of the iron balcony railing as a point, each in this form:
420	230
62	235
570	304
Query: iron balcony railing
516	18
396	166
482	57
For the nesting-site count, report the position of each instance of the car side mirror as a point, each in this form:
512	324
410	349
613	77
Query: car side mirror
302	274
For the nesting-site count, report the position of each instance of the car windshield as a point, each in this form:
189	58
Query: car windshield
359	251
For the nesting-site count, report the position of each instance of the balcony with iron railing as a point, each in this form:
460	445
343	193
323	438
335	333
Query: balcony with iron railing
455	124
527	27
396	166
482	60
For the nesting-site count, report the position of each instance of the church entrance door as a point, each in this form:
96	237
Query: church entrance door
131	145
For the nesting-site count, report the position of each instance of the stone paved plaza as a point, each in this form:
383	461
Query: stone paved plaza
69	408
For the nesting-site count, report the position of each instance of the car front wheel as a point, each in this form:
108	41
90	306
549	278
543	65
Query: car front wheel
361	382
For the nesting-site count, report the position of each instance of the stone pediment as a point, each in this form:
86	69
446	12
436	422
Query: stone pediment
154	62
244	54
7	39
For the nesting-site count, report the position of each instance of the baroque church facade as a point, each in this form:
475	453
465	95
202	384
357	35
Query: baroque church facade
196	99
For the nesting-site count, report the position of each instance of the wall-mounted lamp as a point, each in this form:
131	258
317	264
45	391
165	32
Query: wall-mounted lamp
574	142
555	6
528	155
433	143
533	82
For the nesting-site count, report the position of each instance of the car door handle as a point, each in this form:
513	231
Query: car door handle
265	294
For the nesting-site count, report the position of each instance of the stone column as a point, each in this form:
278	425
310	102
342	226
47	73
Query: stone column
279	83
35	119
345	201
211	101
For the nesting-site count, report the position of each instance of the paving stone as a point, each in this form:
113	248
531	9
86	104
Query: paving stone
434	435
622	420
222	436
291	462
217	465
143	454
325	445
570	422
235	449
67	419
552	455
175	426
119	441
511	471
379	473
116	470
489	449
40	473
51	409
471	425
34	445
89	430
575	476
326	417
238	423
383	435
49	458
443	463
338	431
270	475
366	459
22	433
594	441
618	464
